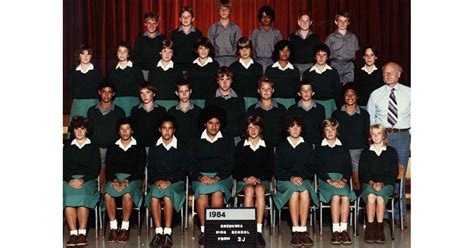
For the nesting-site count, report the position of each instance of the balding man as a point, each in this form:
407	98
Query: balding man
390	106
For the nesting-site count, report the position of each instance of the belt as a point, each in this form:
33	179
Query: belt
396	130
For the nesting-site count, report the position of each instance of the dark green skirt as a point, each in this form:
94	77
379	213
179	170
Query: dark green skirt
240	186
329	106
167	104
284	190
127	103
385	192
87	196
134	188
287	102
249	101
224	185
176	191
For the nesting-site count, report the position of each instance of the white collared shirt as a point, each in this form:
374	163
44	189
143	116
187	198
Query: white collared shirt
75	142
377	106
299	141
206	137
316	69
133	142
209	60
167	67
378	152
326	143
89	68
261	143
246	66
129	64
367	70
173	143
277	65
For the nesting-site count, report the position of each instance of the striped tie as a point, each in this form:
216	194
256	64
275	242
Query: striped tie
392	109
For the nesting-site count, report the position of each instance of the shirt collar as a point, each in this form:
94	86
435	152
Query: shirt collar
105	111
141	105
277	65
133	142
129	64
206	137
86	142
209	60
299	141
173	143
191	106
261	143
316	69
89	68
326	143
232	94
191	29
298	32
356	111
165	68
367	70
150	35
313	105
372	148
260	105
246	66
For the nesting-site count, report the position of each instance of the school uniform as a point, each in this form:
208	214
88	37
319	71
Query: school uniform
81	162
272	118
203	80
165	78
147	51
168	163
224	40
365	83
303	49
146	123
212	158
82	88
312	120
256	161
343	51
245	78
285	82
126	163
294	160
264	44
126	80
184	46
327	86
379	167
333	162
188	122
234	107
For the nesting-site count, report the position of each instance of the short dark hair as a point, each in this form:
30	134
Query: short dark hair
305	82
268	10
292	120
124	121
305	12
213	111
148	86
80	121
167	44
244	42
349	86
371	47
152	15
344	14
264	79
183	83
125	44
205	42
321	47
186	9
280	45
105	84
168	118
224	71
81	50
256	121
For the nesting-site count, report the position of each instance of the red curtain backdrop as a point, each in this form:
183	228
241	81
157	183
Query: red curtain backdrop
102	23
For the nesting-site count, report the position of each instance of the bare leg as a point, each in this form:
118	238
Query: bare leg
355	180
304	207
127	206
156	211
260	202
102	178
248	199
335	208
380	209
345	209
82	216
217	199
293	205
110	206
370	208
168	211
202	204
71	217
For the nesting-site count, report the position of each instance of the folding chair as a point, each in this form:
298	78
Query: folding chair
391	201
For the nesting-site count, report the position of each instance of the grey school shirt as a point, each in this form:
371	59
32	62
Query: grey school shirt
343	47
224	39
264	42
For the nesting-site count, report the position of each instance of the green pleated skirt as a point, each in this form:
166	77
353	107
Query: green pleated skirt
134	188
175	191
327	191
385	192
329	106
249	101
240	186
284	190
287	102
224	185
87	196
167	104
127	103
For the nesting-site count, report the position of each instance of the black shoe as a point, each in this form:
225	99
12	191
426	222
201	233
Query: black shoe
157	240
71	241
81	240
305	239
295	239
201	239
260	239
345	238
336	238
167	241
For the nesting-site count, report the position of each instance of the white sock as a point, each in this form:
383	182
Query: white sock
303	229
343	227
335	227
73	232
259	228
167	230
295	228
159	230
82	231
125	225
202	229
113	224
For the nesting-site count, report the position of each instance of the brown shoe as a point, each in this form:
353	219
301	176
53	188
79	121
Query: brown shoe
123	236
168	240
379	233
71	241
113	235
305	239
295	239
201	239
336	238
369	233
345	238
81	240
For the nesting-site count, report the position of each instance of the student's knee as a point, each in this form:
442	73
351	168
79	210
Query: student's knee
380	200
217	194
336	198
345	199
371	199
259	190
248	191
127	197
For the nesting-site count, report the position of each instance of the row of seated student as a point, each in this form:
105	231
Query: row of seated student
212	161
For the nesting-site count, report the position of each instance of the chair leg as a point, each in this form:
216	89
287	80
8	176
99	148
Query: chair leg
271	215
279	221
400	205
320	220
182	220
139	223
96	226
355	219
393	219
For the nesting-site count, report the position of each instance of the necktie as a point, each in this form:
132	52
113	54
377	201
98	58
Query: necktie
392	109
